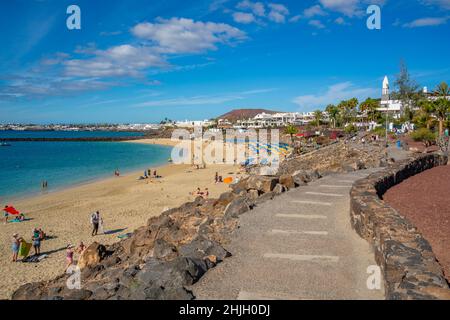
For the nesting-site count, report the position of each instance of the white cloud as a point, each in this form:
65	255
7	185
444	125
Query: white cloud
340	21
296	18
314	11
180	35
242	17
316	23
334	94
204	99
257	8
445	4
123	60
426	22
257	11
350	8
217	4
278	12
347	7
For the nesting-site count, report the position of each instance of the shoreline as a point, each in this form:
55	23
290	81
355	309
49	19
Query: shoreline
125	203
27	195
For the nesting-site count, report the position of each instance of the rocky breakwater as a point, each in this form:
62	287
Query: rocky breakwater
409	266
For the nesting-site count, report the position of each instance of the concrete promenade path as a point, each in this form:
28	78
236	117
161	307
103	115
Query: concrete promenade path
299	246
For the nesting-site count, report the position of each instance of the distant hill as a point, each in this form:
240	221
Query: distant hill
243	114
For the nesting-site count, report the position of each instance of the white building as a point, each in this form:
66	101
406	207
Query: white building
192	124
282	119
395	107
388	104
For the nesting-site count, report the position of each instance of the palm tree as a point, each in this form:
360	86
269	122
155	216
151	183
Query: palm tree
318	116
442	90
442	105
333	112
425	114
291	130
370	107
347	109
441	109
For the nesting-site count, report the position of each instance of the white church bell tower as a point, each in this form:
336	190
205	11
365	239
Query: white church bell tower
385	92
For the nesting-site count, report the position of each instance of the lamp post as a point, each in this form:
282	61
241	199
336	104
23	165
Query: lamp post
387	143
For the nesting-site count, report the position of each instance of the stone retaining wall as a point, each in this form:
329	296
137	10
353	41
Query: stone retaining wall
409	267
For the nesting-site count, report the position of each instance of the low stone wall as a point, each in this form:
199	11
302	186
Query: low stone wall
409	266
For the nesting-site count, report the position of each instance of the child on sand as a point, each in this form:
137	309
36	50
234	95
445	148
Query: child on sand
36	239
81	247
69	256
16	241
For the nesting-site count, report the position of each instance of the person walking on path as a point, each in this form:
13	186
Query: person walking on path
95	221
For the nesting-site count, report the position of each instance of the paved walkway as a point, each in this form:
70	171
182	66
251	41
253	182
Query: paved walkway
298	246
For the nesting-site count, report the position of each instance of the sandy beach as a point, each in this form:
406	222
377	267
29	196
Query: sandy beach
124	202
160	141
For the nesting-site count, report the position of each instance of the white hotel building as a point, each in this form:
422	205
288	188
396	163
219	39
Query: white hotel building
265	120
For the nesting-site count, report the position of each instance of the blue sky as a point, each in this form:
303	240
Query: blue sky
141	61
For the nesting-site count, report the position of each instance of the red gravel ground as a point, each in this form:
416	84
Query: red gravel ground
425	201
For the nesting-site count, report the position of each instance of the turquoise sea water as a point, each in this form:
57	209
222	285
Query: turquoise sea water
66	134
24	165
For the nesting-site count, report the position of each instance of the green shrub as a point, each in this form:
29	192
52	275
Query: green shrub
381	131
424	135
350	129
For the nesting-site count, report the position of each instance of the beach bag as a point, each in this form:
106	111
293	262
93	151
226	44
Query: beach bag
94	218
24	249
101	227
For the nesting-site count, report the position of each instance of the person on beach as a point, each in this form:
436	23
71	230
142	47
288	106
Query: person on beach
81	247
36	239
206	194
69	256
216	178
197	193
6	214
16	241
95	221
42	234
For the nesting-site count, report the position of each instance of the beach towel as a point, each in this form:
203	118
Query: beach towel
24	249
35	259
125	236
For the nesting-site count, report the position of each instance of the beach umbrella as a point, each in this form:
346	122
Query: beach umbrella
11	210
228	180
